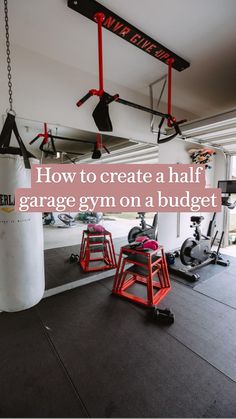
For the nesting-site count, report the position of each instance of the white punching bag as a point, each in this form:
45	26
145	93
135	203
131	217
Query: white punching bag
22	280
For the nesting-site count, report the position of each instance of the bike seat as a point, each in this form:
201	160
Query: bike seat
196	219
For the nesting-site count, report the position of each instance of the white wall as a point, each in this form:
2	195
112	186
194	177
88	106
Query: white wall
172	153
220	174
176	152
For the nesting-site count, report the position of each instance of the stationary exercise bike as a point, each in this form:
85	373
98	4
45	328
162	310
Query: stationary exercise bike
92	217
67	220
48	218
196	251
144	229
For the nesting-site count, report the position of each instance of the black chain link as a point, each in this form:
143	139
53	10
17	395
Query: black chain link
8	51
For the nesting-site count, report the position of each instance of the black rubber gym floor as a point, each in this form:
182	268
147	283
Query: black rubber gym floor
208	272
58	270
86	353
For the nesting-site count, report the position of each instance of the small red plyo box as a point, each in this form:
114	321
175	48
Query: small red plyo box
148	268
99	245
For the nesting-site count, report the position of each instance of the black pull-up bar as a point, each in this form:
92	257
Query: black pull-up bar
47	134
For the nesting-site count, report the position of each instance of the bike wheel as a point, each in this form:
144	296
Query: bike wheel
185	251
134	232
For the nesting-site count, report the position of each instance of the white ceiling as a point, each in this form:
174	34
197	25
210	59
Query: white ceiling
202	31
218	131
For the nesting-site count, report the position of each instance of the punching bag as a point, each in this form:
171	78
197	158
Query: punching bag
21	234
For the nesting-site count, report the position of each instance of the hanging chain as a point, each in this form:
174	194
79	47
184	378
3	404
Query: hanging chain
8	51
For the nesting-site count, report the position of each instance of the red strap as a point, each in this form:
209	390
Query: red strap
170	62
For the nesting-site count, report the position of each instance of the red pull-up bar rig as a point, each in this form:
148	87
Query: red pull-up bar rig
101	112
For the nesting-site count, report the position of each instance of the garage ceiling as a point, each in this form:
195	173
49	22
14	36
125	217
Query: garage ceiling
217	131
203	32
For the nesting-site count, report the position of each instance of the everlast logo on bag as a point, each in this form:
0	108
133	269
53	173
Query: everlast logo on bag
7	203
